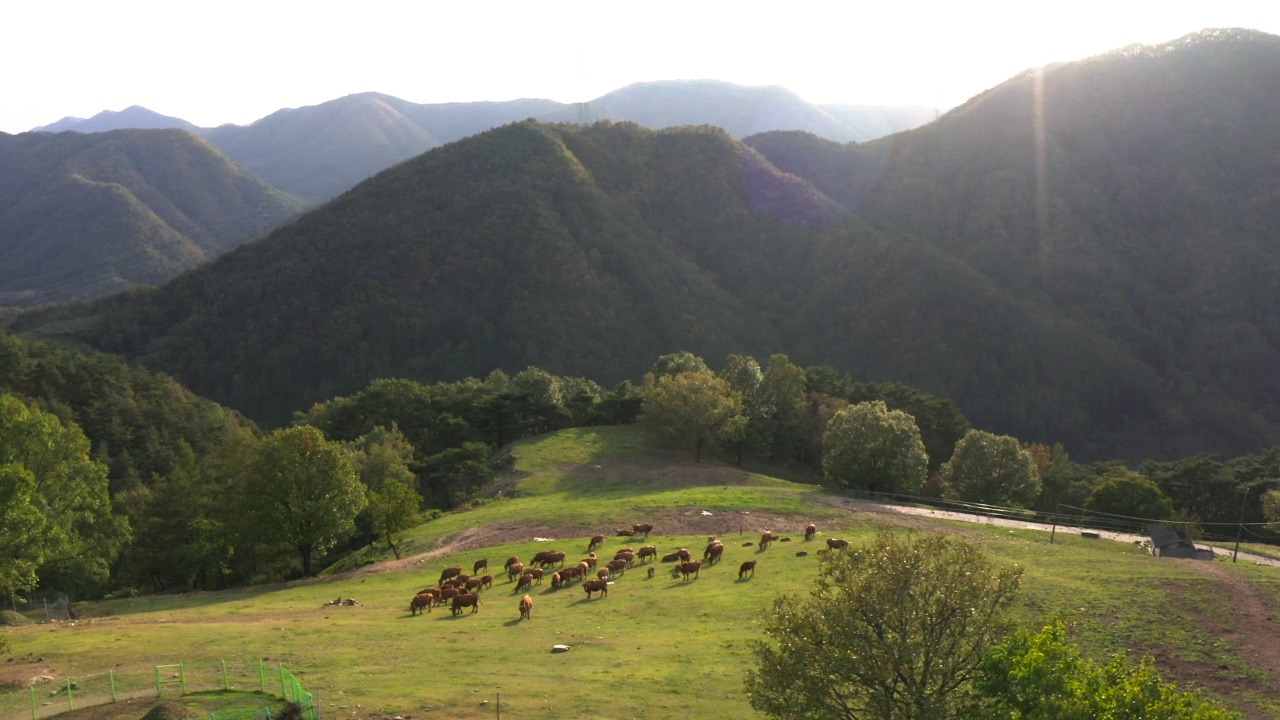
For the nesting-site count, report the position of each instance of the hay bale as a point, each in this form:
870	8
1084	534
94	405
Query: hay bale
169	710
9	617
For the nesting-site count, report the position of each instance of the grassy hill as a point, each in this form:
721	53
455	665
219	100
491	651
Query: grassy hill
655	647
82	215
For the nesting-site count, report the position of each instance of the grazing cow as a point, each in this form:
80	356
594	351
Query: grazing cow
526	582
590	561
470	600
626	533
512	561
452	572
487	581
602	574
462	577
555	581
650	573
449	594
421	601
540	557
526	605
514	570
765	539
552	558
693	567
834	544
599	586
671	557
810	531
747	567
711	546
648	551
537	575
714	553
627	555
685	555
454	583
569	573
643	529
617	567
596	541
435	591
474	584
480	565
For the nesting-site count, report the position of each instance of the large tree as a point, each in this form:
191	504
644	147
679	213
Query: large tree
1130	495
870	447
994	469
382	461
693	407
895	629
304	492
57	518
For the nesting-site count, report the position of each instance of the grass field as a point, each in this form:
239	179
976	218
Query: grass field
654	648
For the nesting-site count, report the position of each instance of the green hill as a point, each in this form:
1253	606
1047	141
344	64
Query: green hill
83	215
682	647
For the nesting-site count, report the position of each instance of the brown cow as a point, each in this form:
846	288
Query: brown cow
648	551
834	544
419	602
747	567
651	573
480	565
555	581
602	574
569	573
596	541
526	582
487	581
540	557
474	584
470	600
514	570
435	591
685	555
627	555
583	569
449	594
617	567
693	567
526	605
512	561
451	572
599	586
711	545
454	583
671	557
765	539
643	529
551	558
810	531
590	561
714	554
537	575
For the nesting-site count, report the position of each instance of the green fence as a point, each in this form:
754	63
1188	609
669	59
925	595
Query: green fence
65	694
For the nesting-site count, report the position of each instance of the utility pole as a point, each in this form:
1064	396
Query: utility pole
1240	525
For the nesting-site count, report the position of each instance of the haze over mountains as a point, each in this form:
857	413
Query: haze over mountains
1088	255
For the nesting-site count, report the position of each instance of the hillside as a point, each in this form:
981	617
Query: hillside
682	646
1131	194
83	215
134	117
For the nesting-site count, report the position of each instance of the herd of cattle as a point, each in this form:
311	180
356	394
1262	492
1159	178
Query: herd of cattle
461	590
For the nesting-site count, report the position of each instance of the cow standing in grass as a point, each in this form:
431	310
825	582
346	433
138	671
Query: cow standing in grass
470	600
526	606
600	586
747	567
420	602
693	567
810	531
642	529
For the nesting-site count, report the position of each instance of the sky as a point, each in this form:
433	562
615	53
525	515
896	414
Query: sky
234	61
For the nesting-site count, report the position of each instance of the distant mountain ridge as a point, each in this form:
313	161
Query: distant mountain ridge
320	151
82	215
134	117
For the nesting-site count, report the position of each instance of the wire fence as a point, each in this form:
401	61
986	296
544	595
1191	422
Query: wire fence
58	695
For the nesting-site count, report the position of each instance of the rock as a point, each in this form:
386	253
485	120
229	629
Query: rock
1091	534
802	553
559	648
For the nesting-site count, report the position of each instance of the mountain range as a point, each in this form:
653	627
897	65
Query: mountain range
1088	253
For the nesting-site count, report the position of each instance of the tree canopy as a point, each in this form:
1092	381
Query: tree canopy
869	447
993	469
691	408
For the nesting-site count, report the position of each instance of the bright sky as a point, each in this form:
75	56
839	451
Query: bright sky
236	60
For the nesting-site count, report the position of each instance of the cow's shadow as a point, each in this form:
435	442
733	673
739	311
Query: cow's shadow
513	623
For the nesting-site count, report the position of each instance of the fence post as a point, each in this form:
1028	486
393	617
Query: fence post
182	677
225	684
70	703
262	680
284	690
158	692
112	674
33	704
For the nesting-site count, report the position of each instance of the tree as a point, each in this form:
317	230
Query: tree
383	467
1131	496
691	407
54	502
1271	509
304	492
1043	677
870	447
895	629
676	363
993	469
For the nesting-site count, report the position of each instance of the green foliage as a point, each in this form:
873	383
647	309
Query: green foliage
894	629
1043	677
1131	496
992	469
691	408
303	492
869	447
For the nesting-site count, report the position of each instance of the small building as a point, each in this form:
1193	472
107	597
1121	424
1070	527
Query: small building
1166	542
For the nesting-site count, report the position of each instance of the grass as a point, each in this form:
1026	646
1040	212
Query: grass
655	648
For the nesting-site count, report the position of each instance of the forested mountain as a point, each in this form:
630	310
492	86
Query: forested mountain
134	117
1133	193
82	215
740	109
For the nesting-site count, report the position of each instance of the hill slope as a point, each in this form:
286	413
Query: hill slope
82	215
134	117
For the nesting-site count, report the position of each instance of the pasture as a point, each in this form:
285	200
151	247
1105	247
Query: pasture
655	647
